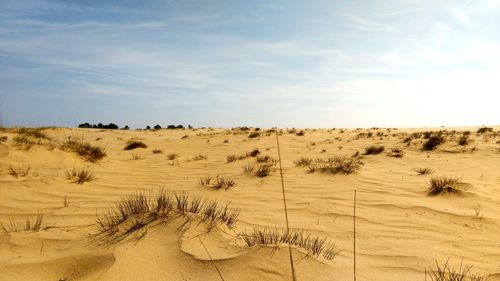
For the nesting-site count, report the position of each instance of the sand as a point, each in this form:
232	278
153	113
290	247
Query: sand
401	232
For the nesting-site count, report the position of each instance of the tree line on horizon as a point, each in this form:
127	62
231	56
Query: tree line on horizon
113	126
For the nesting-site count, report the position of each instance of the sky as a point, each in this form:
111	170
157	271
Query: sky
383	63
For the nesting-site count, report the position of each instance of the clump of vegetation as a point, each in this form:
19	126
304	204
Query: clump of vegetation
253	135
157	151
463	140
200	157
172	156
396	152
374	149
79	176
484	130
334	165
110	126
446	273
303	161
132	144
87	151
440	185
266	159
231	158
3	139
137	156
433	142
29	225
313	246
424	171
261	171
21	171
253	153
37	133
217	183
138	210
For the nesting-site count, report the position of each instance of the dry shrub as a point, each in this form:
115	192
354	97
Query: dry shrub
29	225
303	161
79	176
20	171
440	185
253	153
87	151
313	246
218	183
433	142
373	149
253	135
463	140
131	144
484	130
157	151
396	152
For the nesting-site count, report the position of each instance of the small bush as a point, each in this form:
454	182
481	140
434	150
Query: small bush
87	151
301	133
266	159
463	140
134	144
484	130
3	139
157	151
433	142
253	135
446	273
424	171
263	170
440	185
253	153
373	149
19	171
231	158
79	176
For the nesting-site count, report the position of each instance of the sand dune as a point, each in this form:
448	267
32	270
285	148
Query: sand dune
401	231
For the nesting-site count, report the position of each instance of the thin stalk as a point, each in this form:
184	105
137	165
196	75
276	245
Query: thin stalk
286	209
213	262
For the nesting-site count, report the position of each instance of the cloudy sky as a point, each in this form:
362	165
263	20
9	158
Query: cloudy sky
287	63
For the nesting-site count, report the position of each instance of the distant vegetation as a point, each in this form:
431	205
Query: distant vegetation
100	126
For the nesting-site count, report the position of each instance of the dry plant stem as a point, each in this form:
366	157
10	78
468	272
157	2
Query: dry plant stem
213	262
286	210
354	235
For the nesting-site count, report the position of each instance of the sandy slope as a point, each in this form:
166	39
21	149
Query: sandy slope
401	231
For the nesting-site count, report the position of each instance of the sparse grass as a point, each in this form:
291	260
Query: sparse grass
157	151
266	159
139	208
248	168
20	171
218	183
24	142
172	156
131	144
424	171
33	132
137	156
446	273
87	151
440	185
263	170
373	149
200	157
79	176
432	142
334	165
313	246
29	225
303	161
233	157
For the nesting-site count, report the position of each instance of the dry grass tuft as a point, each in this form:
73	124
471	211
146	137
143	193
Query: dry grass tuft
217	183
87	151
29	225
446	273
79	176
21	171
131	144
142	210
440	185
334	165
313	246
396	152
424	171
432	142
303	161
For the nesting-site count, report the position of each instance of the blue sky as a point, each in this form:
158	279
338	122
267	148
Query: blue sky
386	63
